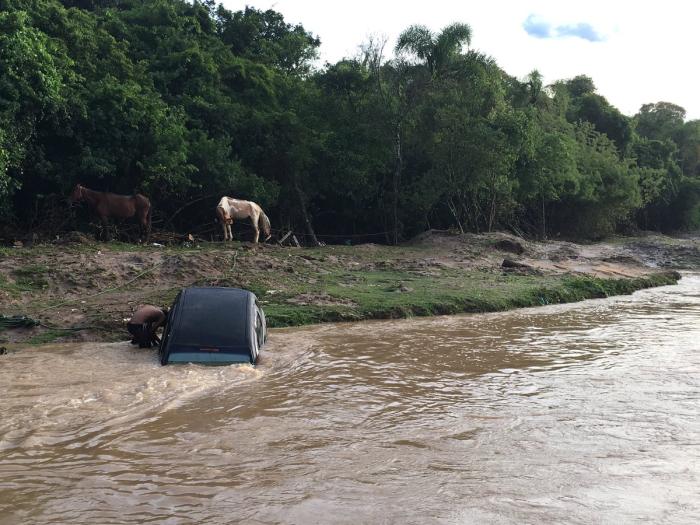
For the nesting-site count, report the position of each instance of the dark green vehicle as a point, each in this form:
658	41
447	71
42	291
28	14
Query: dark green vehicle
213	326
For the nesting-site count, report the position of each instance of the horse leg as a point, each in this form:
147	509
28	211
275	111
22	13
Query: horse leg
143	226
230	231
105	228
224	227
146	222
254	219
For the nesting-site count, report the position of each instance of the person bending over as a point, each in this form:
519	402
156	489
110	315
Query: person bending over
144	323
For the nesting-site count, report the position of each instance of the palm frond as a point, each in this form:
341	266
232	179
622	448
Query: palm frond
454	36
417	39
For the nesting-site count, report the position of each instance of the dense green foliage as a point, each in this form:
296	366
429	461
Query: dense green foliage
187	100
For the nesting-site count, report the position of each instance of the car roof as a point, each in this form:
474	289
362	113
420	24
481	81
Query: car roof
212	316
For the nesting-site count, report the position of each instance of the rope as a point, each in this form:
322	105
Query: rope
298	234
351	235
206	227
22	321
71	301
64	329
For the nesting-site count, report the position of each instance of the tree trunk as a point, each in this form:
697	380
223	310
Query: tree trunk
492	213
453	209
396	183
304	213
544	221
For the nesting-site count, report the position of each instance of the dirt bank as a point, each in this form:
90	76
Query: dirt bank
91	288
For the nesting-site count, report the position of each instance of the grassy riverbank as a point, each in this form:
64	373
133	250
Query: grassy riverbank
94	287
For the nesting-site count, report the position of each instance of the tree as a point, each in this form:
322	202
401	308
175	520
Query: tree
688	141
354	154
264	37
608	192
659	121
548	173
34	70
535	87
436	49
608	120
182	99
580	85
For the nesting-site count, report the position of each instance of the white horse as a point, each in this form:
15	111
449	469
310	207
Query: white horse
229	209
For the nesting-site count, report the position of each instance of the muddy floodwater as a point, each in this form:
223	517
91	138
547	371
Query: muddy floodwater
584	413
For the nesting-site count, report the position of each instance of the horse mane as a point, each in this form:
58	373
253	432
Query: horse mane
222	215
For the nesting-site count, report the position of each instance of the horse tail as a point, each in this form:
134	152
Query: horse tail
265	224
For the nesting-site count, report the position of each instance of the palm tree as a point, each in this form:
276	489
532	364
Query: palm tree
534	85
436	49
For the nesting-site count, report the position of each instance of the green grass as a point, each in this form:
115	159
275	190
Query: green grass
31	277
376	294
9	287
48	336
370	282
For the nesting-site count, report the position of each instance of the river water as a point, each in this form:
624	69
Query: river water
584	413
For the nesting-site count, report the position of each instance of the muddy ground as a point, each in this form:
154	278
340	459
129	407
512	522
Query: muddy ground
80	289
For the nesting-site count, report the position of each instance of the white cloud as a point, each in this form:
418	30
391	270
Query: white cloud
648	53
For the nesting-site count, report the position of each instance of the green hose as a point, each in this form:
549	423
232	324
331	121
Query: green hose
16	321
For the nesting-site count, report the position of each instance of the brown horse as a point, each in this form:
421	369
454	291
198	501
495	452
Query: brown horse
108	205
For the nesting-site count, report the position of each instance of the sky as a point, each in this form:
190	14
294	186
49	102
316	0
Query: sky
636	52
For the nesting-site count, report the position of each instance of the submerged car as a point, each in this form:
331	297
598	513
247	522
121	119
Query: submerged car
213	326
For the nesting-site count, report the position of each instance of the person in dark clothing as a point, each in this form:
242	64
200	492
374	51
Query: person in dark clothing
144	323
